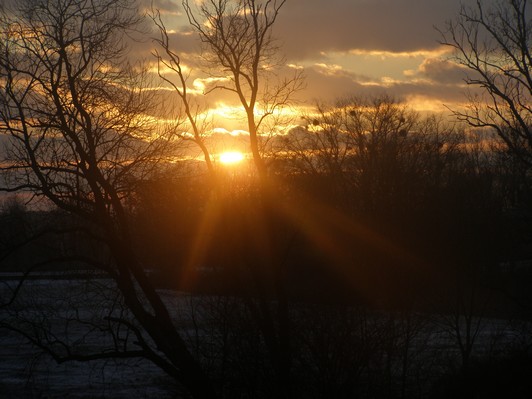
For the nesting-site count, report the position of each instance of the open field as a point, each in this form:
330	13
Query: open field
70	309
27	372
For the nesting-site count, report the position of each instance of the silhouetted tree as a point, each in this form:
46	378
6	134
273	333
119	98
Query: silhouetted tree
170	60
80	136
238	41
377	154
493	44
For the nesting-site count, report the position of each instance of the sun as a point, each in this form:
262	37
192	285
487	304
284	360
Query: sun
231	157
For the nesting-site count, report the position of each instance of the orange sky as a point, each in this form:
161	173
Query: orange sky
345	48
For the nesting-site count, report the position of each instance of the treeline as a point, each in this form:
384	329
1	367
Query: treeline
384	202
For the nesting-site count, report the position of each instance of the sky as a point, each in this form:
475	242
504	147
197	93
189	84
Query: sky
345	48
358	48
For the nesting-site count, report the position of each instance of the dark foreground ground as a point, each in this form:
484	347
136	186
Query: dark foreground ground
432	367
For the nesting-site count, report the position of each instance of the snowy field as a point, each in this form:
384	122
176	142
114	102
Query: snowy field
27	372
24	373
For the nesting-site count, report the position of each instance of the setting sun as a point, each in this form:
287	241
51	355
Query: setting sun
231	157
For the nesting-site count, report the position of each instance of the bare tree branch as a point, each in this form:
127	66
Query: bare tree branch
494	45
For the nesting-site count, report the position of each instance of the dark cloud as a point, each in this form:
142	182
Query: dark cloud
440	82
308	27
164	6
305	28
185	41
182	40
326	87
441	93
443	71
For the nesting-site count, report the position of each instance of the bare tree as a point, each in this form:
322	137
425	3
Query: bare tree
80	135
238	41
377	146
494	45
170	59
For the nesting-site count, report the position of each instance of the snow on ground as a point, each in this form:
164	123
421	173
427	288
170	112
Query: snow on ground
26	372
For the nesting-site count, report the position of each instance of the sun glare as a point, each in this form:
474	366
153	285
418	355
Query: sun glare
231	157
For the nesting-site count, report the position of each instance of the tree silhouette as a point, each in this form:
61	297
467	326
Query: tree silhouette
78	120
493	44
238	42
